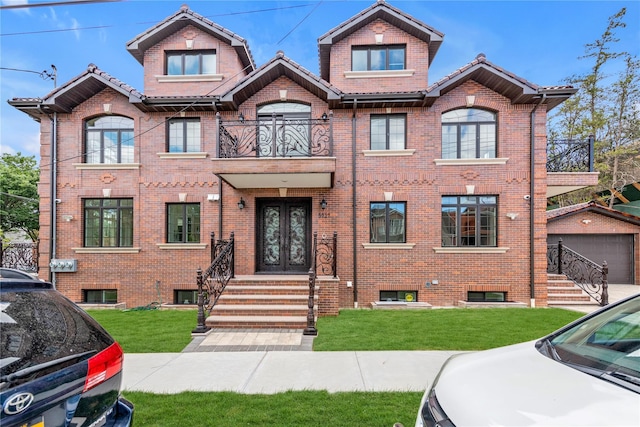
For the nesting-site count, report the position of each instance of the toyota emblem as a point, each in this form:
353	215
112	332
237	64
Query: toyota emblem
17	403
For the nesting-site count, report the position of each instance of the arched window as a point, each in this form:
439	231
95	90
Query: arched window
109	139
469	133
284	129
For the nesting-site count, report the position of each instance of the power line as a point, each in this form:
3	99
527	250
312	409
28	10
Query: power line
98	27
301	21
54	3
44	74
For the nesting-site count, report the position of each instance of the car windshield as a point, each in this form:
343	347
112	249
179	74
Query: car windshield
606	345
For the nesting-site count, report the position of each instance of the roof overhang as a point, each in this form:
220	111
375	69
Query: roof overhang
141	43
385	12
270	72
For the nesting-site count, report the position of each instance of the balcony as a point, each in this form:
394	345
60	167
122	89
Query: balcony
276	152
570	166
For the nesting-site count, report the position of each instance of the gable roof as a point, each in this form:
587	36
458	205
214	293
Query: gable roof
560	213
76	91
279	66
507	84
139	44
386	12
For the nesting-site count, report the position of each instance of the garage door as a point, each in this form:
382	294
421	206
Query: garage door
616	249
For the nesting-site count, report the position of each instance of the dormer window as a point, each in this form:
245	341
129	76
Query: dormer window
187	63
378	58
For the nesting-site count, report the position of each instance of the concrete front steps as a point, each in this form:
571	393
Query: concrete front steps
263	302
562	292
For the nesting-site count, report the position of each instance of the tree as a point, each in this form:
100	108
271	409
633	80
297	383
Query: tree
19	176
606	106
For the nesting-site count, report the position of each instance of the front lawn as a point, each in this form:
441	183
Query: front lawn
299	408
149	331
161	331
437	329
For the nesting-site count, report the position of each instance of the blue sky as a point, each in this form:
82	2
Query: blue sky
540	41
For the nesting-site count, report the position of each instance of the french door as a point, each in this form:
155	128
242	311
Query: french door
284	235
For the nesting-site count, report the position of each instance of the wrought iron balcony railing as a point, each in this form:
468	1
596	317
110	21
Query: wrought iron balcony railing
570	155
275	137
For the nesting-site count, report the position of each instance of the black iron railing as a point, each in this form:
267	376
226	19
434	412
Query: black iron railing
589	276
22	256
213	281
323	259
570	155
275	137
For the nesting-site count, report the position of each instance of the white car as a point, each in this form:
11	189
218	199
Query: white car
585	374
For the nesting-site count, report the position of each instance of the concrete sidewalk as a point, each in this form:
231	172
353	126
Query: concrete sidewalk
273	361
268	372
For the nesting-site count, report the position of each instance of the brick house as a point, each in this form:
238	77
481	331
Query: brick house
600	234
436	192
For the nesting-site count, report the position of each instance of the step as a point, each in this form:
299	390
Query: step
267	289
568	297
560	283
261	322
564	290
234	299
560	303
259	310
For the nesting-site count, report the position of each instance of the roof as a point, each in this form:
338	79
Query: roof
496	78
592	206
386	12
279	66
139	44
76	91
629	193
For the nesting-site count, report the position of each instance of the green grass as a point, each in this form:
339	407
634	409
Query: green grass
441	329
300	408
161	331
148	331
446	329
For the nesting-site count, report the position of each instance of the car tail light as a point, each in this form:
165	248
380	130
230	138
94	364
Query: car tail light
103	366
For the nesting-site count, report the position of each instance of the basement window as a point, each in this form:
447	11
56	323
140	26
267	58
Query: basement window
475	296
185	297
100	296
406	296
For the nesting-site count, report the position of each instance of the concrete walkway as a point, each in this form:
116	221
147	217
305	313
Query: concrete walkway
273	361
268	372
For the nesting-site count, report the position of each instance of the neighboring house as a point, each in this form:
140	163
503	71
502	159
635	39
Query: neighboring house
431	188
627	200
600	234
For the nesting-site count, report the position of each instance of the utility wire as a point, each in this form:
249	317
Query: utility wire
176	114
97	27
301	21
54	3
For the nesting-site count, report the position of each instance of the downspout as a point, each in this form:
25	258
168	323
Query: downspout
54	196
353	202
532	186
220	208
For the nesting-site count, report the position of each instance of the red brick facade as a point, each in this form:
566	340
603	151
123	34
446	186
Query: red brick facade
152	269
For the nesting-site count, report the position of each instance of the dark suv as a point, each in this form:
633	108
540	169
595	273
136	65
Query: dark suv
58	366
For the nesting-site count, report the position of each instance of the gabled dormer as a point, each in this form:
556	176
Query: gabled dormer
187	53
381	47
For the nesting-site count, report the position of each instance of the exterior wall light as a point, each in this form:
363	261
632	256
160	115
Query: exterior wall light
323	203
241	117
241	204
324	117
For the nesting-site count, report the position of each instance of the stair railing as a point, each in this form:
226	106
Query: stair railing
213	281
323	258
586	274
